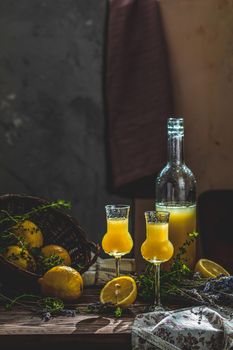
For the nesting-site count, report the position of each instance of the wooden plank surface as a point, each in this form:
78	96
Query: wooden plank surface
25	329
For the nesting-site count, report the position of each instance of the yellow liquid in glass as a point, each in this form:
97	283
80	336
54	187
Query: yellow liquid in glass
117	240
157	247
182	221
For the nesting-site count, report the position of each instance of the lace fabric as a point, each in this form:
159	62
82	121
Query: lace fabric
197	328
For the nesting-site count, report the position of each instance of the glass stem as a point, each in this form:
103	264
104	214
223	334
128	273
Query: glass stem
157	285
117	266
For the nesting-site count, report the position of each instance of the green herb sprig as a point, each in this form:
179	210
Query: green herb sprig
172	279
6	217
105	309
52	305
8	221
44	307
46	263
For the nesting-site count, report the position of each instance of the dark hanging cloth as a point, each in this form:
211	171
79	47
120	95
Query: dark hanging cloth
138	92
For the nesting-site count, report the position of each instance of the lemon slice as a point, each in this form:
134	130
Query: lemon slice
121	291
210	269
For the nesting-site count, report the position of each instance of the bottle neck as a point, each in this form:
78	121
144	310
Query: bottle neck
176	149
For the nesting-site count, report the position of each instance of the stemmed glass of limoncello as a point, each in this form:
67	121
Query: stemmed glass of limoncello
157	248
117	241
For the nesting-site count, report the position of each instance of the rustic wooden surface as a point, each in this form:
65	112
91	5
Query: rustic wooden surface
20	329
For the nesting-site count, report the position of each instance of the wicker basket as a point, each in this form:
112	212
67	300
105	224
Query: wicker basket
57	228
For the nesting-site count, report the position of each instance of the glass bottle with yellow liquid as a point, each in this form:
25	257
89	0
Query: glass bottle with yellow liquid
176	191
117	241
157	248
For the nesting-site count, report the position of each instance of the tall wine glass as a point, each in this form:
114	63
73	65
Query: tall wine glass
117	241
157	248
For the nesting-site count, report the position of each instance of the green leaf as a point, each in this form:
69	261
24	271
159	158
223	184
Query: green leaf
170	280
46	263
118	312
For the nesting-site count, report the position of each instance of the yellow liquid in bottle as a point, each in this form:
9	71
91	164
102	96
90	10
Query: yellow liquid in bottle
182	221
117	240
157	247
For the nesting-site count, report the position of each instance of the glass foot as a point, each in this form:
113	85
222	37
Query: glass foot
156	308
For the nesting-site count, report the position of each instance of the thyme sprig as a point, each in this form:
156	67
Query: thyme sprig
52	305
44	307
180	262
171	279
45	263
181	285
5	216
105	309
8	221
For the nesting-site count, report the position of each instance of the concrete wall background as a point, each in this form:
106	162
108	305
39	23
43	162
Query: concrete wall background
51	104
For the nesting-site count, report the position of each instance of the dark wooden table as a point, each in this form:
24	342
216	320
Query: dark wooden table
20	329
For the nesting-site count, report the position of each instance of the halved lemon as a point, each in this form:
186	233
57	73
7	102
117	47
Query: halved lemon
210	269
121	291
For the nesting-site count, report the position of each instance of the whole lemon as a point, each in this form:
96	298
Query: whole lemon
62	282
29	233
20	257
53	249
